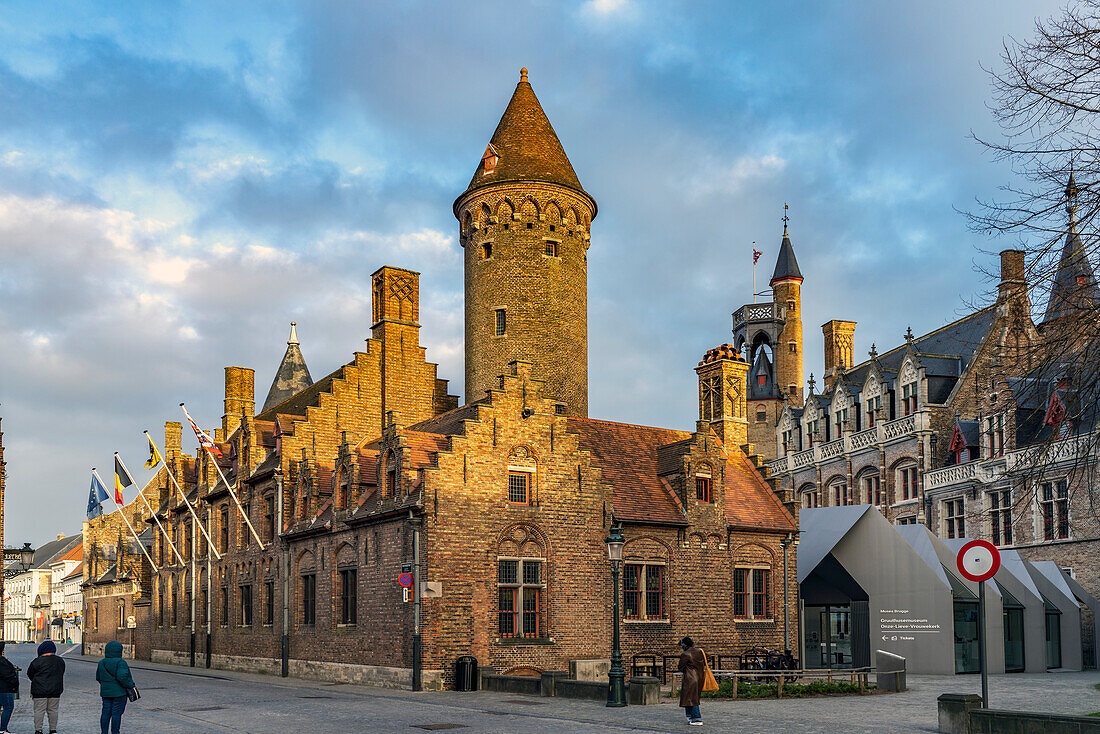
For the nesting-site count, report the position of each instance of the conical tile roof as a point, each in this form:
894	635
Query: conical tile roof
525	146
292	376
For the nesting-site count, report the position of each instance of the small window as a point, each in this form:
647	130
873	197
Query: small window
246	605
792	348
954	519
907	520
309	599
501	321
761	379
530	226
349	588
1054	507
519	487
792	390
790	306
702	489
486	250
750	593
551	249
269	603
762	415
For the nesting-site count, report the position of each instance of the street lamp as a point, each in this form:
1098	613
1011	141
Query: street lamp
26	556
616	689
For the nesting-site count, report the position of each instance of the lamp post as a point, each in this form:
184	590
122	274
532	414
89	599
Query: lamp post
616	689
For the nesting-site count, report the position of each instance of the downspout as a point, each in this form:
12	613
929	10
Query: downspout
786	543
417	651
285	645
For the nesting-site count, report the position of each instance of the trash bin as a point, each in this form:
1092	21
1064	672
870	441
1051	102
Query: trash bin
466	673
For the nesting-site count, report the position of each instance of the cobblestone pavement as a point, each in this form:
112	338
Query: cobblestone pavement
176	700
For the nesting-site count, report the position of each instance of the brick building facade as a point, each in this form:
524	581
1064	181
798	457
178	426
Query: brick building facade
954	429
505	501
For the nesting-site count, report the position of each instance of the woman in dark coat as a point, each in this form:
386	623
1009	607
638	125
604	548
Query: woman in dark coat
693	665
9	689
115	682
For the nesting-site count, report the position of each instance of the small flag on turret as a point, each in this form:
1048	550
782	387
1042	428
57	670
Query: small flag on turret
756	255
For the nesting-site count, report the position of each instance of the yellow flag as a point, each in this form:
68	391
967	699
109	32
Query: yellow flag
154	455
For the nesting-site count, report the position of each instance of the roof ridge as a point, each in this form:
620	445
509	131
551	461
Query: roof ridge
630	425
925	336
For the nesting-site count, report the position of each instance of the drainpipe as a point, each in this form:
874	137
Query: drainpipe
209	593
417	651
285	643
786	543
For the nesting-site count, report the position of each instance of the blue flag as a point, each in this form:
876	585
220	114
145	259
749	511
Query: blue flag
96	494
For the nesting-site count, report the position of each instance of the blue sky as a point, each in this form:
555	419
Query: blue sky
178	181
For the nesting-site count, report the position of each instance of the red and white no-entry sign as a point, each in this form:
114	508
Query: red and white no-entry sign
978	560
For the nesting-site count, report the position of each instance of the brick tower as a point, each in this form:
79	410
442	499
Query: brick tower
770	336
524	226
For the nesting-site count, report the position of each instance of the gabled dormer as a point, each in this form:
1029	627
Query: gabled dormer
844	408
788	435
877	396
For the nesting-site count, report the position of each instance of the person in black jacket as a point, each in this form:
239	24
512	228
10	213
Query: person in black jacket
47	674
9	689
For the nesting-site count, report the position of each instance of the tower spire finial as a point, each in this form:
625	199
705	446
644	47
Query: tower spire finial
1071	197
293	333
523	75
785	218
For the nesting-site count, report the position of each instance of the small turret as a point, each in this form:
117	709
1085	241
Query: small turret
292	375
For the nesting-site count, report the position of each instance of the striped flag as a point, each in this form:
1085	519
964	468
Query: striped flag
122	480
205	441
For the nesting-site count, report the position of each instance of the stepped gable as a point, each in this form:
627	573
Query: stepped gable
292	376
527	147
627	457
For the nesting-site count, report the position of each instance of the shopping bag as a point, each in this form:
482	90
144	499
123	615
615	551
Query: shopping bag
709	682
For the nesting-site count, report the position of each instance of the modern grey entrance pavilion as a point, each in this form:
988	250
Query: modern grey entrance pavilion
868	585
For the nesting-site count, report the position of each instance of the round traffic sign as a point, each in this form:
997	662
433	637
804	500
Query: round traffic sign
405	579
978	560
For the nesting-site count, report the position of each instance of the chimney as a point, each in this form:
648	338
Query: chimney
1013	286
839	341
240	397
173	439
722	373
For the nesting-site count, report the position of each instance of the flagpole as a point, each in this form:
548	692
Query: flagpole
754	271
151	511
125	520
214	461
185	500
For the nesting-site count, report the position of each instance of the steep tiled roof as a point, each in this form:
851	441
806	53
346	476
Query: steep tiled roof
449	423
527	146
627	458
750	502
296	404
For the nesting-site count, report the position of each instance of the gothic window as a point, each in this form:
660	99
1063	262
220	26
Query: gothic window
871	489
909	398
1000	516
349	589
810	495
873	406
521	585
838	493
501	323
269	518
644	591
223	525
269	603
245	594
1054	508
308	589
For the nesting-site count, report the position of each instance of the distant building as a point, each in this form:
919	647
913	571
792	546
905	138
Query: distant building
59	570
30	593
72	611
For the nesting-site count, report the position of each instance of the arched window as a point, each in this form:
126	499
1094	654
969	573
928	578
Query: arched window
869	488
809	495
521	584
906	481
752	583
837	493
391	475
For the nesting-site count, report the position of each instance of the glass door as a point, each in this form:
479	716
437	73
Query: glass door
829	637
966	637
1014	640
1054	640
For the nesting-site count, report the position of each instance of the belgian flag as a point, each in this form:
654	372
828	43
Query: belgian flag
122	479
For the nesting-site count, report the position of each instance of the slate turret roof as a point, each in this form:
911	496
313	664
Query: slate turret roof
1074	286
786	266
527	146
292	376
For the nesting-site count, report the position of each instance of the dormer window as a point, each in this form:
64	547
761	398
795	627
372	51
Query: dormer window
872	407
703	488
489	160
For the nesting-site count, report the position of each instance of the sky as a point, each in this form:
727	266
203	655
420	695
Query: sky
179	181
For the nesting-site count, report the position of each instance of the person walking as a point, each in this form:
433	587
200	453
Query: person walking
115	682
47	674
9	689
693	666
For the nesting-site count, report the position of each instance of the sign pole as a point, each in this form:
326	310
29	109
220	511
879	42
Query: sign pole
982	645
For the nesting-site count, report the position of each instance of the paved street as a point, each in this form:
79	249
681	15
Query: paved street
179	700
